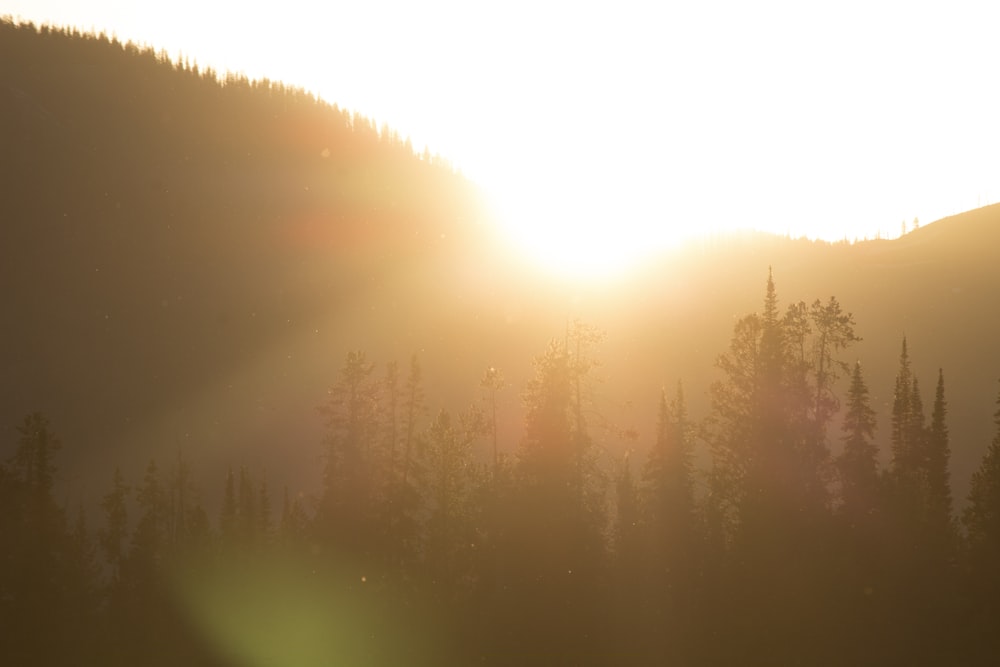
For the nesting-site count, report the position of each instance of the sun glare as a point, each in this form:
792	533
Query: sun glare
584	215
581	237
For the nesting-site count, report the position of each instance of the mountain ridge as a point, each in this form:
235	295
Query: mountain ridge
187	259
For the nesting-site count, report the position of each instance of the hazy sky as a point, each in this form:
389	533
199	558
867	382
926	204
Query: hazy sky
835	119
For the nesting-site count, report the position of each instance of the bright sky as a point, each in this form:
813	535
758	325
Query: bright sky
623	124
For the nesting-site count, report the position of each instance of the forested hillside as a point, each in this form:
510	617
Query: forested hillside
426	543
275	391
167	231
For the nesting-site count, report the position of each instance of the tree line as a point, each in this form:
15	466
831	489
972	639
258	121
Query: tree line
429	543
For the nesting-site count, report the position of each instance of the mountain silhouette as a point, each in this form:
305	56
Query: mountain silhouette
187	256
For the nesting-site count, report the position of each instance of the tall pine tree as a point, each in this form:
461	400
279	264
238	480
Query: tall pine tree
858	463
982	522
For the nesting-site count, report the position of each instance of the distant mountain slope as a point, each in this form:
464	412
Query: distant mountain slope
938	285
162	226
187	258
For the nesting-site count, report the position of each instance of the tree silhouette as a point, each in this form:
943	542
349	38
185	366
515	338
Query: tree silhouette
936	459
113	536
555	549
36	546
450	535
858	464
981	518
769	485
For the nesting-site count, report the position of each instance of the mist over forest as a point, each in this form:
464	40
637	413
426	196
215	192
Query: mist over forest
277	391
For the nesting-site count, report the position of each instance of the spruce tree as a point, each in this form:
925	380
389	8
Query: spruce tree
554	547
112	537
769	489
34	549
981	518
668	483
906	471
858	464
904	450
345	515
149	540
936	456
413	404
450	534
672	547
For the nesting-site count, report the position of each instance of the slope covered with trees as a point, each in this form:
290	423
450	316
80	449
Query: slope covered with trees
421	545
164	227
188	255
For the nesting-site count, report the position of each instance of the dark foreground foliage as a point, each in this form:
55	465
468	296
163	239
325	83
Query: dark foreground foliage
426	544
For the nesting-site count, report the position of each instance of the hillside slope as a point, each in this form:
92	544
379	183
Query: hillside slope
188	257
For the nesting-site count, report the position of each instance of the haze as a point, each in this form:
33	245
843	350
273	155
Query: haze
276	392
844	120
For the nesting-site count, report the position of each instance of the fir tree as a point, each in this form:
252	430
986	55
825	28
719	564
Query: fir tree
668	482
149	540
450	533
981	518
904	450
937	455
858	464
112	537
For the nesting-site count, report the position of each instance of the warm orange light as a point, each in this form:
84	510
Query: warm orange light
572	229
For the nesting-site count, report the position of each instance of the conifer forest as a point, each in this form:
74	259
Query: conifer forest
425	544
273	392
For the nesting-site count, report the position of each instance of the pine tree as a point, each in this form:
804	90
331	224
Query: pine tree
769	485
413	404
917	428
33	462
771	464
919	535
34	549
345	513
834	333
401	487
554	543
112	537
906	472
450	533
858	464
937	455
149	540
178	530
731	426
981	518
668	483
904	450
390	386
82	595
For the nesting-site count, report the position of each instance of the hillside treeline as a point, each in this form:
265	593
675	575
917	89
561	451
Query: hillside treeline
426	543
163	223
96	129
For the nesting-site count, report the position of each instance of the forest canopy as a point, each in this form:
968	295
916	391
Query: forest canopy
274	392
444	549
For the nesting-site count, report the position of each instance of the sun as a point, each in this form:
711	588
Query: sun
584	229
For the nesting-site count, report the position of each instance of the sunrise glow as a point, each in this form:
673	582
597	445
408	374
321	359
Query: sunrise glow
608	131
523	333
